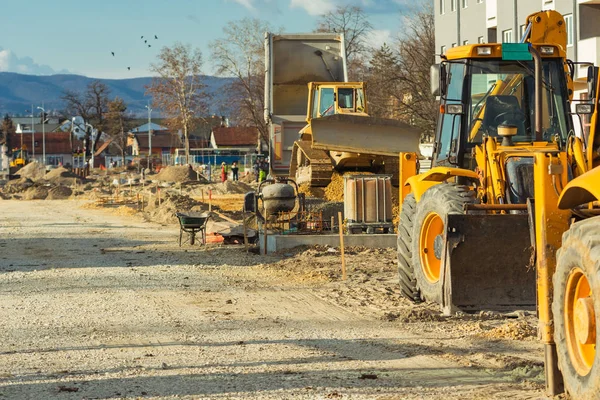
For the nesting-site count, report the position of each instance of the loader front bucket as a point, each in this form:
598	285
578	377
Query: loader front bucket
488	263
364	135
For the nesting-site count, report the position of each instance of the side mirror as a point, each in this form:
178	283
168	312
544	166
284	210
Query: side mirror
434	79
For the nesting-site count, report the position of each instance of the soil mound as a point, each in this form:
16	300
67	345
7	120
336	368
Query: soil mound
171	203
36	193
179	173
59	193
34	171
18	185
228	187
62	176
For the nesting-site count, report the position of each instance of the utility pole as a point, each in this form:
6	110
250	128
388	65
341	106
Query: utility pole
43	134
149	135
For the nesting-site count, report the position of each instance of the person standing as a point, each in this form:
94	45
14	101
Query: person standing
234	171
223	171
256	168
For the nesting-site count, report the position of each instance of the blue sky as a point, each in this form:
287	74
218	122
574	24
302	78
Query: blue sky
78	36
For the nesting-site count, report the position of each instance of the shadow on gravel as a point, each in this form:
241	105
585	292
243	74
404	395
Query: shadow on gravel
323	374
87	252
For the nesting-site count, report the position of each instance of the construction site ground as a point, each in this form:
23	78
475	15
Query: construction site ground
96	303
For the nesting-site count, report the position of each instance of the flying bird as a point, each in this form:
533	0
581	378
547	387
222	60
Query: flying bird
129	68
142	37
155	37
145	41
113	53
149	45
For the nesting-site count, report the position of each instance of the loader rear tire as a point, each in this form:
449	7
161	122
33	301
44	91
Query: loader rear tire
428	233
408	283
576	309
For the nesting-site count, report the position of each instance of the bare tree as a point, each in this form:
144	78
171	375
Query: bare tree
416	53
353	23
399	80
178	90
240	53
91	105
118	124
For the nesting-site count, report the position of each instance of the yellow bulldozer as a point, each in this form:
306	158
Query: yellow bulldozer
508	216
341	136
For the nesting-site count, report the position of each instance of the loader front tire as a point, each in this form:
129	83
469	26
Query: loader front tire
428	233
576	309
408	283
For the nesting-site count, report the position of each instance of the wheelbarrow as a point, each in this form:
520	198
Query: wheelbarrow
192	223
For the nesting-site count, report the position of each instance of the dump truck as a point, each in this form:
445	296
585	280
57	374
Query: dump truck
507	217
317	120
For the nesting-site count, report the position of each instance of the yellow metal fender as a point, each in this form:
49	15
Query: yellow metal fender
420	183
581	190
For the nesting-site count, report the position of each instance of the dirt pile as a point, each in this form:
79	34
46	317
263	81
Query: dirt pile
515	330
34	171
228	187
170	204
309	191
335	190
18	185
36	193
62	176
179	173
59	193
248	178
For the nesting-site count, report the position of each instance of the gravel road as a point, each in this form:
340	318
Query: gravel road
96	305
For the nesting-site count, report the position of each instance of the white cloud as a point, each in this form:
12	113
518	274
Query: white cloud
246	3
377	37
314	7
10	62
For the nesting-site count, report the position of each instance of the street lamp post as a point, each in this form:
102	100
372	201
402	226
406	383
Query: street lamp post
149	136
32	134
43	134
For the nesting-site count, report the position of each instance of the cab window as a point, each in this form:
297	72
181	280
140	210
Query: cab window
449	129
326	106
346	98
315	103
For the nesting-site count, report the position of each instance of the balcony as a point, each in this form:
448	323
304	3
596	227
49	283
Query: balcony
588	51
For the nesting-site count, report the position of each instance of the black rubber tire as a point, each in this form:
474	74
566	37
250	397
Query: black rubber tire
408	283
580	248
443	199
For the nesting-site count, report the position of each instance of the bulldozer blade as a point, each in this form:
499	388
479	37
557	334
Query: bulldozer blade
488	263
363	134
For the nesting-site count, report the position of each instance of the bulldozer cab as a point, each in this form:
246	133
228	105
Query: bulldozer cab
480	93
335	98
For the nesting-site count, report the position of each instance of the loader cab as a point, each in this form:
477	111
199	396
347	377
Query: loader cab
336	98
480	93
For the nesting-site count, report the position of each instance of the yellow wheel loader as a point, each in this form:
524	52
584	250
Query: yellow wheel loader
18	159
511	183
341	136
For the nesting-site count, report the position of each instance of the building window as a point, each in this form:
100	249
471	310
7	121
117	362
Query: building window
480	39
452	5
479	1
547	4
442	7
569	25
465	42
453	44
465	3
507	36
443	50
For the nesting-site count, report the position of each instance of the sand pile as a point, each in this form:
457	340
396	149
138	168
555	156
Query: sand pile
170	204
248	178
179	173
36	193
62	176
335	190
18	185
515	330
34	171
309	191
59	193
228	187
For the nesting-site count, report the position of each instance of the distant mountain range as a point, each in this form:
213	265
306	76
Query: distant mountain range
18	92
